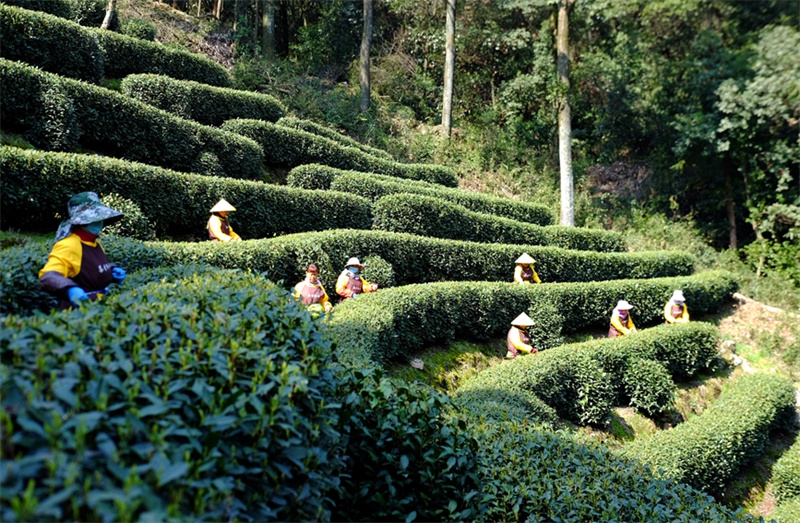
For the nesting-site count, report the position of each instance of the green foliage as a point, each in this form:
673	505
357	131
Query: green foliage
707	451
292	147
54	124
375	186
20	291
115	125
138	28
205	104
211	406
429	216
134	224
50	42
321	130
59	8
649	386
396	322
786	475
377	270
91	13
787	512
36	185
405	454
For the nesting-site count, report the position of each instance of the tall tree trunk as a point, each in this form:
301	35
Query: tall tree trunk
449	66
730	206
564	117
199	5
268	28
112	6
218	9
363	61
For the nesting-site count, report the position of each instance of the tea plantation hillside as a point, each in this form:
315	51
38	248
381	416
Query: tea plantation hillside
200	389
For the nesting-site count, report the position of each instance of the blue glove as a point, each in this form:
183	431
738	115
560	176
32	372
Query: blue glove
118	273
355	294
76	294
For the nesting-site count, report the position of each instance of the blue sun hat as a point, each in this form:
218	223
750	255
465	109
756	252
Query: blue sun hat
85	208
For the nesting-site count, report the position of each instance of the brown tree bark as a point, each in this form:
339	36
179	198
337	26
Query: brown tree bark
363	61
112	6
449	66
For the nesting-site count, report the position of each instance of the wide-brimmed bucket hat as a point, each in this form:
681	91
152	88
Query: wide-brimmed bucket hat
222	206
623	305
525	259
85	208
523	320
677	297
353	262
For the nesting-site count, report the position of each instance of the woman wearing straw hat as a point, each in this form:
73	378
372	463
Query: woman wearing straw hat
621	322
311	292
77	268
350	283
219	228
518	339
524	273
675	310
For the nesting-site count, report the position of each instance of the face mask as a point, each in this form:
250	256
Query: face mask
354	270
94	227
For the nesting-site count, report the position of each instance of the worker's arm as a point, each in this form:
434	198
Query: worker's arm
368	287
685	318
215	224
617	324
325	301
668	313
517	343
341	286
518	275
536	277
63	263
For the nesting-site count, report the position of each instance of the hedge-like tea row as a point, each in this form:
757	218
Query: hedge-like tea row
786	475
292	147
397	322
787	511
184	398
315	128
202	103
413	259
60	113
708	450
40	39
427	216
375	186
60	8
583	381
60	46
533	474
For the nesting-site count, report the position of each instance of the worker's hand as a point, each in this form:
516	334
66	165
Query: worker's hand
355	294
374	287
76	294
118	273
328	307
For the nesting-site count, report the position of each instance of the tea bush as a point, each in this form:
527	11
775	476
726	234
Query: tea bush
138	28
787	511
649	386
202	103
36	185
429	216
114	125
529	473
67	48
20	290
60	8
377	270
289	147
708	450
52	43
375	186
786	475
134	224
315	128
394	323
186	397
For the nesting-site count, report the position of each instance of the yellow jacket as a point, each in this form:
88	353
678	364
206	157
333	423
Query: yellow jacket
342	285
317	294
683	317
617	323
215	226
518	275
514	338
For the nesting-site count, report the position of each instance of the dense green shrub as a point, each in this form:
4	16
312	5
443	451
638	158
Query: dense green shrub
375	186
394	323
205	104
532	474
430	216
321	130
787	512
54	124
649	386
377	270
707	451
498	404
50	42
134	224
404	454
138	28
786	475
60	8
91	13
292	147
185	398
113	124
36	185
20	291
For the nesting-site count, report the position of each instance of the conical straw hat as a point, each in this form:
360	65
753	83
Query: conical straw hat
222	206
523	320
525	258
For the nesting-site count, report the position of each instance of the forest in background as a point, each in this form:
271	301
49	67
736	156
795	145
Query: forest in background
683	112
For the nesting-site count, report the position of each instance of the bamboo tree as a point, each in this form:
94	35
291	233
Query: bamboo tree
449	64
